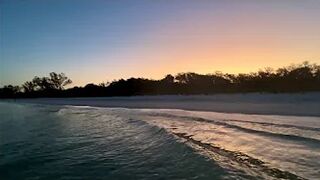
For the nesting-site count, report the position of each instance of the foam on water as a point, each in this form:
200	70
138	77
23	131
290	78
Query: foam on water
54	142
287	143
265	146
84	141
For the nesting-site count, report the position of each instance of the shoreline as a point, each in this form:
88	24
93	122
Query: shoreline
306	104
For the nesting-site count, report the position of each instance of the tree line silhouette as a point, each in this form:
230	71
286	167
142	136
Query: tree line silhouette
295	78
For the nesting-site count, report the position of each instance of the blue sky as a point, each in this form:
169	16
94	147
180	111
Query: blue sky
96	41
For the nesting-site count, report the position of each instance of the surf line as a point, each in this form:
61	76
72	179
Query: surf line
241	158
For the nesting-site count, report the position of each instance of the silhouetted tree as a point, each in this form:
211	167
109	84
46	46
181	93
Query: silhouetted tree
293	78
58	81
9	91
168	79
29	86
42	83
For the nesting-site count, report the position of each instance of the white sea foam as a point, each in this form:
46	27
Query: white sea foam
282	130
287	143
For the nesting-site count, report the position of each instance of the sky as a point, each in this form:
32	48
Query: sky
99	40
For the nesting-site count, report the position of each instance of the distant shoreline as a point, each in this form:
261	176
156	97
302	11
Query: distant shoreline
303	77
298	104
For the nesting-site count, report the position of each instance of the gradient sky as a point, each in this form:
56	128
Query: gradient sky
98	41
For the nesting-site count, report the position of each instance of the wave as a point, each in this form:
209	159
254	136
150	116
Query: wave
242	159
284	147
245	121
305	140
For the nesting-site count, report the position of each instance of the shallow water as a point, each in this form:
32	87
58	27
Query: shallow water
295	104
73	142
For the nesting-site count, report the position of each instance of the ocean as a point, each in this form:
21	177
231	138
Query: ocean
59	141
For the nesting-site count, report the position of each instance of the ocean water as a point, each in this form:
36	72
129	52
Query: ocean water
39	141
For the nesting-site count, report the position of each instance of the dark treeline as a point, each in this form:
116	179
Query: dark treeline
295	78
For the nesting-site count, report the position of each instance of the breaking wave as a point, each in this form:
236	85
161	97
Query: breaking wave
260	146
